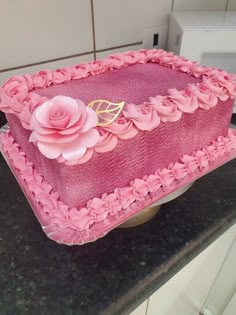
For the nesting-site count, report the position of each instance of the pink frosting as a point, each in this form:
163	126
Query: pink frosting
18	86
17	96
143	116
123	128
13	93
116	61
198	70
184	65
125	196
97	209
206	98
31	101
113	203
62	75
191	163
64	126
9	104
107	142
219	91
54	212
140	188
185	100
80	71
42	79
166	108
225	80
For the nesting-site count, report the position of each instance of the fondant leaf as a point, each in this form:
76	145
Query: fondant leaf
106	111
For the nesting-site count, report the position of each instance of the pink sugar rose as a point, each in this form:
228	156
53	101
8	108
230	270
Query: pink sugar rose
64	127
143	116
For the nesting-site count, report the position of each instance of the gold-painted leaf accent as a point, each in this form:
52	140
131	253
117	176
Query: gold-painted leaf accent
106	111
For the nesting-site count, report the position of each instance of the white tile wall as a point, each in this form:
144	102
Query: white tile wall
232	5
47	66
122	22
37	31
33	31
104	54
191	5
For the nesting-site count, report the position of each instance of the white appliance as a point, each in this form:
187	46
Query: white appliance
207	37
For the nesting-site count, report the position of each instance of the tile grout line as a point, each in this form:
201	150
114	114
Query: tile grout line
117	47
172	6
227	4
46	61
93	29
67	57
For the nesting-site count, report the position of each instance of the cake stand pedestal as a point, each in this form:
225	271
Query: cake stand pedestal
149	212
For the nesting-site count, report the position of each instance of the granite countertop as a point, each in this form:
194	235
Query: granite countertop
115	274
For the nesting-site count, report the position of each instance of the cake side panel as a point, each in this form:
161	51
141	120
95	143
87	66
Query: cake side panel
131	159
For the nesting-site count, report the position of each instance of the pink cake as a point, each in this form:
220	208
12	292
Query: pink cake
92	145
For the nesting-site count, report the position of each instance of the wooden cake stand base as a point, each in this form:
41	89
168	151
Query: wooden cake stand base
149	212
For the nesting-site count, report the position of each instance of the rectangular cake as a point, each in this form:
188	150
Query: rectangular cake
106	136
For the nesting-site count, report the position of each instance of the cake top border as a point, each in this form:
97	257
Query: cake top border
77	142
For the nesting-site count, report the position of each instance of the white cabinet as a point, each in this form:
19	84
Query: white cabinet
190	289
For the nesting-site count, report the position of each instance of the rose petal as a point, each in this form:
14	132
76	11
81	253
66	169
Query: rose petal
41	112
73	151
89	138
51	151
71	105
91	121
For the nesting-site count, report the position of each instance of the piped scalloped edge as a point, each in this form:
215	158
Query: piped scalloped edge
216	85
73	226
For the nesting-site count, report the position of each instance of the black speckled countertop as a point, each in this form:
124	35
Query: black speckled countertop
117	273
